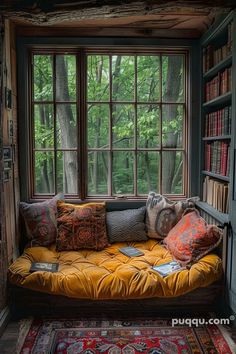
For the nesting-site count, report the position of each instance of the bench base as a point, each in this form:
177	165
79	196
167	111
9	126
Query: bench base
24	302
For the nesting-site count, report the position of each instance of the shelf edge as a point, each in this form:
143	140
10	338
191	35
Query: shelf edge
221	217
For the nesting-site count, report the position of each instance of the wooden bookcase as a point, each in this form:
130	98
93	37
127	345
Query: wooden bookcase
217	117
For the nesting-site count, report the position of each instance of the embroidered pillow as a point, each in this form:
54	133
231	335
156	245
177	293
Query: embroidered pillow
192	238
40	221
162	214
81	226
126	225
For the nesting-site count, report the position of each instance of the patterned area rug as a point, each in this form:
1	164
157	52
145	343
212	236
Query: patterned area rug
120	337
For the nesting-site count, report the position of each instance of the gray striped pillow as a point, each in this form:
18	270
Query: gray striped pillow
126	225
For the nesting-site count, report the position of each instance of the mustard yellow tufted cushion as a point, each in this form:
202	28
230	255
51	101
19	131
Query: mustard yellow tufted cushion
108	274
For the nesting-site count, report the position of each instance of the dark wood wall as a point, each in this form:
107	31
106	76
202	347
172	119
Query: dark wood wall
9	181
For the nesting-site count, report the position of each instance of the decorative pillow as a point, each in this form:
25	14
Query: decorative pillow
81	226
126	225
40	221
162	214
192	238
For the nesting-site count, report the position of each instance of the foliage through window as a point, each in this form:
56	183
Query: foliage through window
105	125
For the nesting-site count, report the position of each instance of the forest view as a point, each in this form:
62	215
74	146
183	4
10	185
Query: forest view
135	118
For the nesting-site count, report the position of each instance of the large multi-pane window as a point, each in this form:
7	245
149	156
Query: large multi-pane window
109	124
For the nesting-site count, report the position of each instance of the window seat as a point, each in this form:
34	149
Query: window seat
110	275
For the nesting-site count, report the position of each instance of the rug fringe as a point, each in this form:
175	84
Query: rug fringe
23	331
227	337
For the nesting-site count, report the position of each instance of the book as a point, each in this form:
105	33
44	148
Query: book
44	266
167	268
216	193
131	251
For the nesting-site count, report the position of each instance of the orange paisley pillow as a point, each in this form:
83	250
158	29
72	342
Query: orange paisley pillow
192	238
81	226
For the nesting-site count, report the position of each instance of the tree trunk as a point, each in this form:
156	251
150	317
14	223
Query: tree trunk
98	126
171	94
68	132
45	184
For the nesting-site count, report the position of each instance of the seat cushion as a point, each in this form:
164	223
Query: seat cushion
109	274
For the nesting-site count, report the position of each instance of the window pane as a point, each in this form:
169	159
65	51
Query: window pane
97	173
123	126
43	83
148	126
123	172
65	77
67	174
173	78
43	126
148	172
148	78
122	78
98	82
98	125
172	172
66	126
44	172
172	125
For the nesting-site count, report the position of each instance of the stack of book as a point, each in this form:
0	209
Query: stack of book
212	56
216	193
217	157
219	85
219	122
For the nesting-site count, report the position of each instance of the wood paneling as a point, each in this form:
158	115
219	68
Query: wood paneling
9	188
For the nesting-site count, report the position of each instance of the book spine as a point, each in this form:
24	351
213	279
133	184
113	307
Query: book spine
216	193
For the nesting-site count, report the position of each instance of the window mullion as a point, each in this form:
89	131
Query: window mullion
54	122
135	127
110	131
82	124
160	127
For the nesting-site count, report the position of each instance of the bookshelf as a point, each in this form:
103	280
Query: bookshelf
216	108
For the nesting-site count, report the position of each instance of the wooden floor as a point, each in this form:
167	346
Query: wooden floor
9	338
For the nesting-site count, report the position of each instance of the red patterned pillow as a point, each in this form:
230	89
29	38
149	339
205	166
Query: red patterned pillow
81	226
192	238
40	221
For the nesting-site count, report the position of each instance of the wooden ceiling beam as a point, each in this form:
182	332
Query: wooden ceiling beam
41	12
30	31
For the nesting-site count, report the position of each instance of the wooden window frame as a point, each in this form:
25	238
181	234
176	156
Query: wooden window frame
53	102
136	103
26	43
82	118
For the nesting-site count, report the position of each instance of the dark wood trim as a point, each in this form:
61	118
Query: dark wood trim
29	31
28	302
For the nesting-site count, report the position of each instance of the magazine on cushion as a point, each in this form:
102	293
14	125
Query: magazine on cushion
167	268
131	251
44	266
